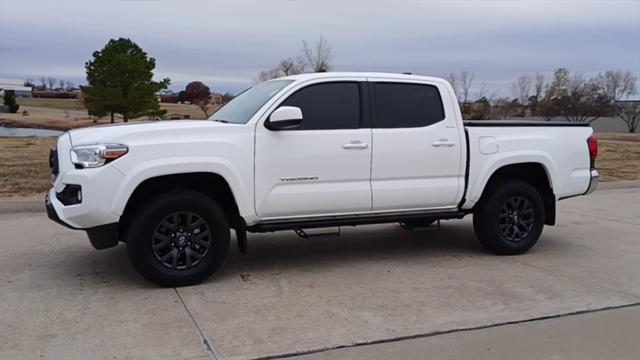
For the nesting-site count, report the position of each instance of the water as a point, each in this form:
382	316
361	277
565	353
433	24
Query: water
23	132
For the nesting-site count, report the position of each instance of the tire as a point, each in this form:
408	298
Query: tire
178	238
509	218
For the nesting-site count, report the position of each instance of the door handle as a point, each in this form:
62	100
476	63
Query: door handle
355	145
443	142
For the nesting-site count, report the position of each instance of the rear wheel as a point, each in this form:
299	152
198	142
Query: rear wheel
179	238
509	220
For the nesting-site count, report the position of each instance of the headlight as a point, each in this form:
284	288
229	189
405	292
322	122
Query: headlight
91	156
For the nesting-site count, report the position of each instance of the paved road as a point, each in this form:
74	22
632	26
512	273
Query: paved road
60	299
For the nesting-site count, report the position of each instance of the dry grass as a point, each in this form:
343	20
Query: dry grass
64	114
25	169
60	104
619	156
25	165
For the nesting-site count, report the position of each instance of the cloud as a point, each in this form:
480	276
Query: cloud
227	43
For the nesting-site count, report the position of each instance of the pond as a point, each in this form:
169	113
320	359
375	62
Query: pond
22	132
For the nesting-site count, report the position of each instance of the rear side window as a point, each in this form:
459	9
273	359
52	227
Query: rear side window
327	106
406	105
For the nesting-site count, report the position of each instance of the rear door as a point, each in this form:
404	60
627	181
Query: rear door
323	167
417	160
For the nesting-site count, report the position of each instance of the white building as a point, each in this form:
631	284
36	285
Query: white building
15	85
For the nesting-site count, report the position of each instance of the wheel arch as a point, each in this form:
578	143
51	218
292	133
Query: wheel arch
535	174
210	184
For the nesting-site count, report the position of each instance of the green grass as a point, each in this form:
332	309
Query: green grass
61	104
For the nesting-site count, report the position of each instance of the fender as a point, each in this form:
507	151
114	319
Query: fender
499	160
185	164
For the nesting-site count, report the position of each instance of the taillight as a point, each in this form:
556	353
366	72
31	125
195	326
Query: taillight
592	143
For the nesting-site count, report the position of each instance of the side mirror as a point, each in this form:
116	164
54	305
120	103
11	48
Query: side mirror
284	118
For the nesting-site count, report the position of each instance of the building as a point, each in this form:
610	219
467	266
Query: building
16	85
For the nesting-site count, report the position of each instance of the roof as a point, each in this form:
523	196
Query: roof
12	84
319	75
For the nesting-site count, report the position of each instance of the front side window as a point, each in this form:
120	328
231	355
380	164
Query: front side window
402	105
245	105
327	106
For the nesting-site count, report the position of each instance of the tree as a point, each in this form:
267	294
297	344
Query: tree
51	81
316	57
120	80
61	84
454	84
575	98
43	83
10	101
617	85
226	97
68	85
466	79
198	94
28	82
629	112
521	88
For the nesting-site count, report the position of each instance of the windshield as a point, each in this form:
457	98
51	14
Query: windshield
246	104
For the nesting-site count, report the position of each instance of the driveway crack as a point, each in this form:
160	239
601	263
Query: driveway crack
208	347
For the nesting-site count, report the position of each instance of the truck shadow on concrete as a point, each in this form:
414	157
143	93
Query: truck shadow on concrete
285	251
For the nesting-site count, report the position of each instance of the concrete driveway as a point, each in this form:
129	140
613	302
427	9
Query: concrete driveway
60	299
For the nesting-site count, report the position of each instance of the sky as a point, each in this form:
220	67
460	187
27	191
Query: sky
226	44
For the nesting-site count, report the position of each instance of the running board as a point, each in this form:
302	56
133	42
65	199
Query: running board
352	220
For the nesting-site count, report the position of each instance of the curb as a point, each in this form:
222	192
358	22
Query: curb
21	206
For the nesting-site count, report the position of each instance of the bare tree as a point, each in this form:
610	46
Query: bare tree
268	75
482	91
629	112
466	79
521	88
538	87
61	84
51	81
43	82
290	67
453	80
68	85
316	57
617	85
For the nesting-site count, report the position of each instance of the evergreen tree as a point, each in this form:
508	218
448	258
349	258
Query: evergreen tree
120	80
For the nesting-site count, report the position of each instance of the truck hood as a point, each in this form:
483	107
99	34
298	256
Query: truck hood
106	133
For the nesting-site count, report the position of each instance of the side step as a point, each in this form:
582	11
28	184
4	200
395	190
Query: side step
419	228
352	220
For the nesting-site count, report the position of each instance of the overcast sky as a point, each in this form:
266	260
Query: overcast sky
225	44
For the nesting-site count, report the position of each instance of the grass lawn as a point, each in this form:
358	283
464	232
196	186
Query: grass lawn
60	104
66	114
25	168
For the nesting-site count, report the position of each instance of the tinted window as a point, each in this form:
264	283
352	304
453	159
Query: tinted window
406	105
327	106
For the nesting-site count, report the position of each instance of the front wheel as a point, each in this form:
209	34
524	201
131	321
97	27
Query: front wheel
178	238
509	220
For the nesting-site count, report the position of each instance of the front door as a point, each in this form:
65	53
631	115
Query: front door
323	167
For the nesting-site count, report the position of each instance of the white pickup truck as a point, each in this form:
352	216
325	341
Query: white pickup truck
312	151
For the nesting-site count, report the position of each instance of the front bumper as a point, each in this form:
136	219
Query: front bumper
100	237
593	183
51	211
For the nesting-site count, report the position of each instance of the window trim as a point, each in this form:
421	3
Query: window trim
361	98
374	102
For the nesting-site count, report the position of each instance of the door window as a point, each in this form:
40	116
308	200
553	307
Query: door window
327	106
401	105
